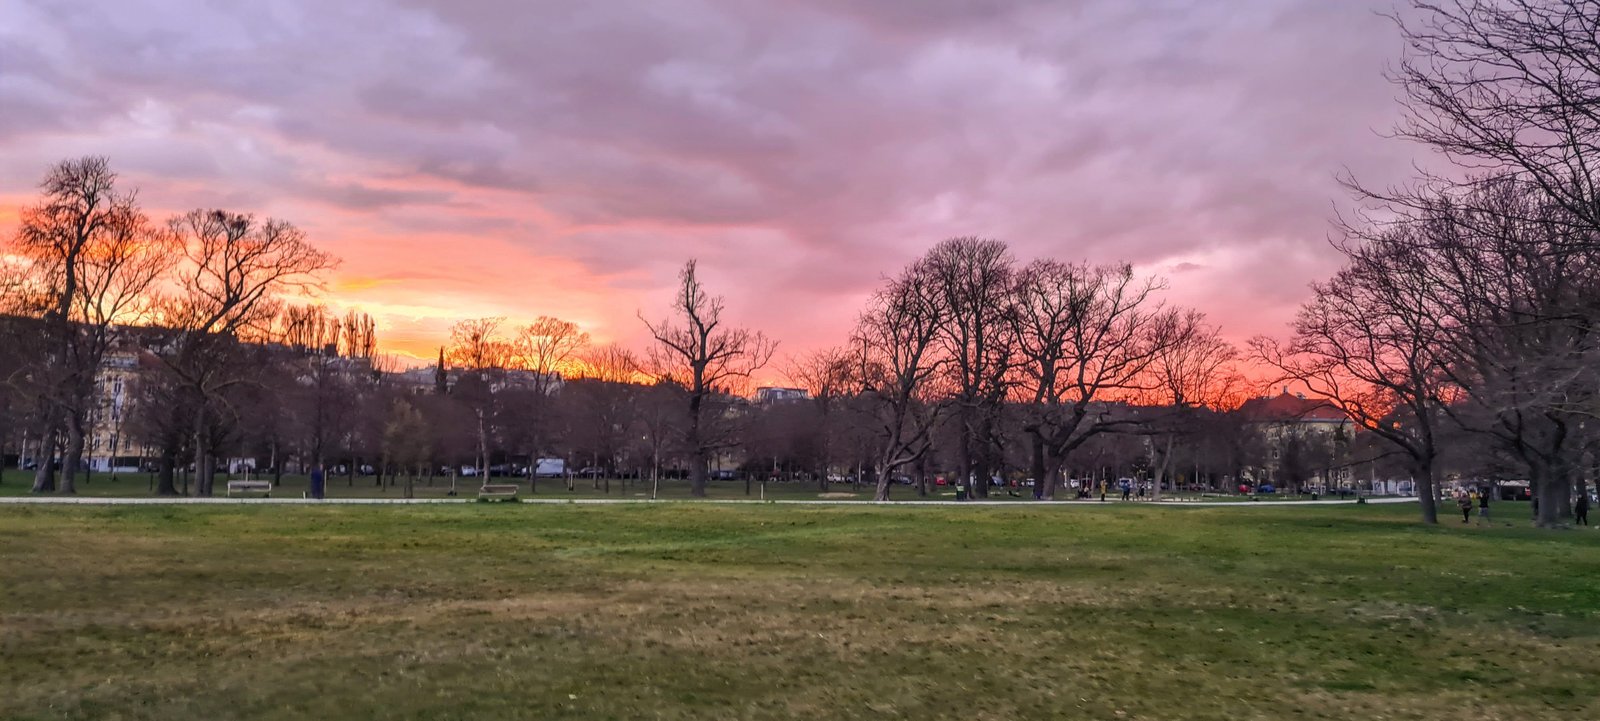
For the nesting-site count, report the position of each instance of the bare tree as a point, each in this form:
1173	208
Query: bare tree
1193	371
1370	341
1086	335
610	363
91	258
476	344
478	348
899	367
1521	317
974	278
405	443
233	271
544	348
359	336
1509	87
828	375
694	349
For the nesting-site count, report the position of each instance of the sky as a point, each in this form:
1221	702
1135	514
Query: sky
517	158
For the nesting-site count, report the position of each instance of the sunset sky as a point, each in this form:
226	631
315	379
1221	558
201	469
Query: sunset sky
521	158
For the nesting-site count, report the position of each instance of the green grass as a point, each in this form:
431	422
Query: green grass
686	611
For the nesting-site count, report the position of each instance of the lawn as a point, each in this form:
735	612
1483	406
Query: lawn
685	611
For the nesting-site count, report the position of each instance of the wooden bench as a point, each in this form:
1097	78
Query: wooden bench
498	492
243	487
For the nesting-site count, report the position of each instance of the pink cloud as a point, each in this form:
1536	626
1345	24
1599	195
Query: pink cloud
521	158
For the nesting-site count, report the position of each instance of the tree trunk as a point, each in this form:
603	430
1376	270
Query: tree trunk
882	493
44	478
1422	477
1163	470
1554	500
205	474
72	458
1036	465
697	473
164	478
1054	465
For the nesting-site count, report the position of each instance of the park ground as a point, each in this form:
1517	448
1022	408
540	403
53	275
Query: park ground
693	611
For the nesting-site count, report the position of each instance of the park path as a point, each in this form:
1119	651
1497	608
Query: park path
111	501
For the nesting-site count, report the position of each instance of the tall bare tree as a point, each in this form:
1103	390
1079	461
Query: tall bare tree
544	348
974	278
91	258
1371	341
1192	372
233	271
405	443
1086	335
1522	313
478	348
696	350
900	367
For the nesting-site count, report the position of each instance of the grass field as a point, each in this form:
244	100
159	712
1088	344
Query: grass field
685	611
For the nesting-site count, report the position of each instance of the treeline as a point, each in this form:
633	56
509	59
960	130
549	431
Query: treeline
1469	302
204	289
966	350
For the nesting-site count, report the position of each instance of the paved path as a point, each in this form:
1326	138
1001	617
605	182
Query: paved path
159	501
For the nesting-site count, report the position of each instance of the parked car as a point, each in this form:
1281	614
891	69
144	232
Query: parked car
591	472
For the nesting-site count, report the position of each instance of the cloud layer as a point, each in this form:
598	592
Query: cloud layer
564	157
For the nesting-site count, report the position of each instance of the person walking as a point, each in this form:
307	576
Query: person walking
1102	490
1580	510
1483	508
1464	502
317	482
